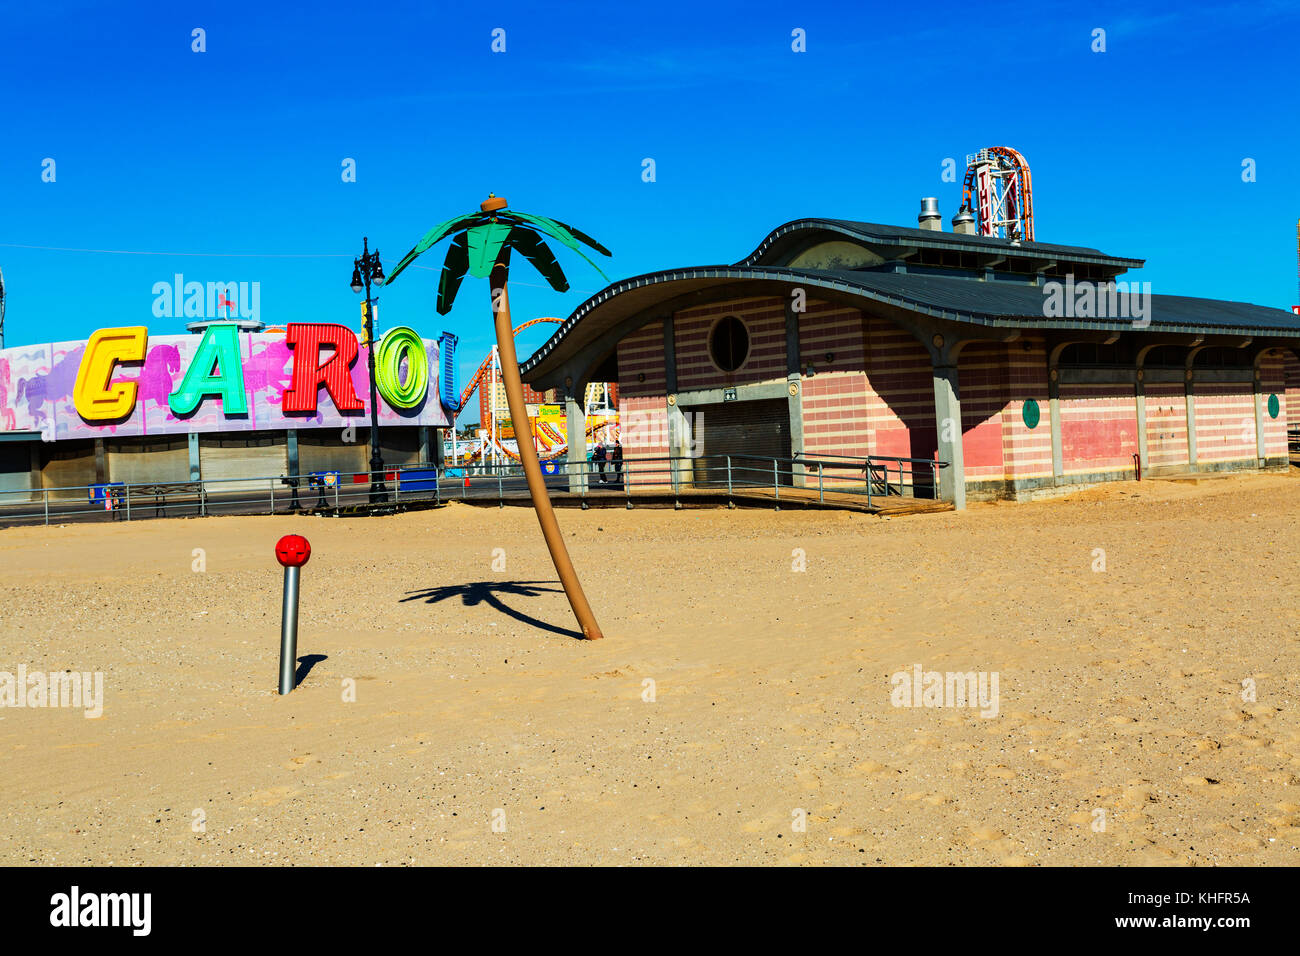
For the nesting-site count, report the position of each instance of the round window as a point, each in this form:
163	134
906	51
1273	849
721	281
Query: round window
729	344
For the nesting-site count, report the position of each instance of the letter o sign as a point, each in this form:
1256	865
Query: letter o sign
402	343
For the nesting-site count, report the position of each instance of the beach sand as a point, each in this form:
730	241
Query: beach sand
482	732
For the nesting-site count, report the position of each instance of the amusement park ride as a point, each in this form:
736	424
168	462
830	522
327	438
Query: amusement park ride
999	193
496	438
997	178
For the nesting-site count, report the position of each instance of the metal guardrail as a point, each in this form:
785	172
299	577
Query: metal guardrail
876	476
128	501
870	477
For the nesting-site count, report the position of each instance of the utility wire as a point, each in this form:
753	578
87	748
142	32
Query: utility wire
241	255
208	255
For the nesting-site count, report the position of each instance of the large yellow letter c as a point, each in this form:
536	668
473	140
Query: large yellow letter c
95	399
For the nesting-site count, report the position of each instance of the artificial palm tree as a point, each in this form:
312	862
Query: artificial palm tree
483	243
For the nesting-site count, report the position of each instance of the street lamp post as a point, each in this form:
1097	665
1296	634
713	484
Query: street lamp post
364	270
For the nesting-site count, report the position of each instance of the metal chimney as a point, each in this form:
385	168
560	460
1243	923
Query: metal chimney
929	217
964	222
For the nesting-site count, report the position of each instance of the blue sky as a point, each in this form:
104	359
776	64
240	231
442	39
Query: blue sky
238	150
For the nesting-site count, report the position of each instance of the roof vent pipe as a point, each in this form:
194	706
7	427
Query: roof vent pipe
929	217
964	222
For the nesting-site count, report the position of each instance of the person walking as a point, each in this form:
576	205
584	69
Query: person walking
616	459
598	456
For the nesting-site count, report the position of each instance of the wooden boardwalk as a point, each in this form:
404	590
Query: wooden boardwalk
741	497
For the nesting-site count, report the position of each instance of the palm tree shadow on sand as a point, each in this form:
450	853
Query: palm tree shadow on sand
488	592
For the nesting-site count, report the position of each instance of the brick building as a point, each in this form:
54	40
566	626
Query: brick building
848	339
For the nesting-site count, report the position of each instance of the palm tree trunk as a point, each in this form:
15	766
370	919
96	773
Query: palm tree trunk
528	455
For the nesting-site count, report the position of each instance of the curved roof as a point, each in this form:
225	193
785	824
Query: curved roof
777	248
623	306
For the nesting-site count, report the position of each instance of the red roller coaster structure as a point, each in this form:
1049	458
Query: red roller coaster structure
484	375
997	178
485	369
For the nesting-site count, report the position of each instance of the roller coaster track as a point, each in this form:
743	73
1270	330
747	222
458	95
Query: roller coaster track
998	187
553	454
485	369
482	375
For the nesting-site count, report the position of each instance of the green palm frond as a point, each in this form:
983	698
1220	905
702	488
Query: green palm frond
579	234
453	272
484	242
564	232
430	239
587	259
532	248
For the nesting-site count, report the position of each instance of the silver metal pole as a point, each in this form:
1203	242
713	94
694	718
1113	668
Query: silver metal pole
821	490
289	630
272	496
126	493
45	493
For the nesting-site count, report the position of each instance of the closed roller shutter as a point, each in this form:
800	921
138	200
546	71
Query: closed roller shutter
68	465
399	456
150	461
324	451
315	454
225	458
760	429
399	446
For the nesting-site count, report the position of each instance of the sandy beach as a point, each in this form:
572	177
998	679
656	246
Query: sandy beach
739	710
